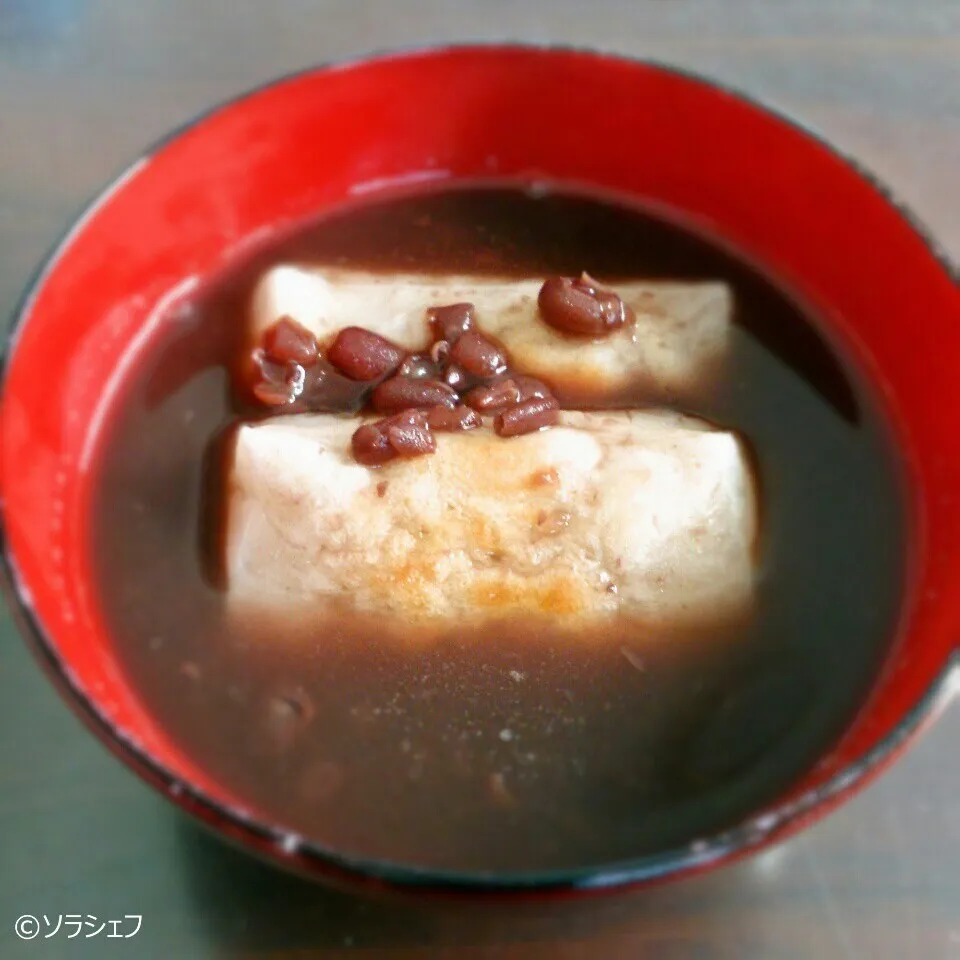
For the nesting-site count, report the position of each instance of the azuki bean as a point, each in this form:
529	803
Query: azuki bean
478	355
409	434
506	392
273	394
419	366
450	322
527	417
326	390
582	307
494	396
531	388
440	351
371	446
363	355
456	419
455	377
401	393
288	340
279	383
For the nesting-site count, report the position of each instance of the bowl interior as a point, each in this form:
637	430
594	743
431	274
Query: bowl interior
314	141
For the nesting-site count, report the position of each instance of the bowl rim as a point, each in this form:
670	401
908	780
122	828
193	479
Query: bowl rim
297	853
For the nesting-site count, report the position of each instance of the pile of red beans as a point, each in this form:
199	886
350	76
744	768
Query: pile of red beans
448	388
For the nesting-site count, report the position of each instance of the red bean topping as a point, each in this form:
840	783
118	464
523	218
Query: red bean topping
455	377
419	366
527	417
410	417
327	391
363	355
531	388
279	383
440	351
421	392
581	306
401	393
273	394
450	322
506	392
455	419
382	488
478	355
409	434
491	397
288	340
371	446
266	368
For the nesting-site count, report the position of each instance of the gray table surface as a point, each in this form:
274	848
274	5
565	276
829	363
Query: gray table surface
84	84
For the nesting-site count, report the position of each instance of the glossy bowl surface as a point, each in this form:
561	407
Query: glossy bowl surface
317	139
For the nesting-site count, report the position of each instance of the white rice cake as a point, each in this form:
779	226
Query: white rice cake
647	514
681	334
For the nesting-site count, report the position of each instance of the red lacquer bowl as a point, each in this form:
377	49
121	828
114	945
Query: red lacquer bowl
313	140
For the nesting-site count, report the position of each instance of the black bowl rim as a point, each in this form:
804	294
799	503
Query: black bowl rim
294	852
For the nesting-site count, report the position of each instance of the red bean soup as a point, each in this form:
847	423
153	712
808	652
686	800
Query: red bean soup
529	737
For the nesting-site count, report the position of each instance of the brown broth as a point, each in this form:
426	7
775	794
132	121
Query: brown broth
510	748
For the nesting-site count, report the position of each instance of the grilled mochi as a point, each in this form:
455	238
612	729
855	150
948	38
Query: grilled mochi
679	340
646	514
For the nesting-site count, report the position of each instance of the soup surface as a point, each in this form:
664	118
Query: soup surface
509	747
